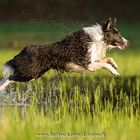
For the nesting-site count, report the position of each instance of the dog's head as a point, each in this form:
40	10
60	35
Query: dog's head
112	36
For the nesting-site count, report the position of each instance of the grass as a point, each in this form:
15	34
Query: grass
74	105
95	104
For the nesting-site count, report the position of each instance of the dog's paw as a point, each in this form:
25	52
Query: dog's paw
114	71
116	74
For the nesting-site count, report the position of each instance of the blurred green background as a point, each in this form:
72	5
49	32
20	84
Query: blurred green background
45	21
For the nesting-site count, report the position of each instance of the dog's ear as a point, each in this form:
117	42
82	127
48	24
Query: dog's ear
107	26
114	21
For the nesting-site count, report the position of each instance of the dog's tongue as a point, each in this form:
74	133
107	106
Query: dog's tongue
123	45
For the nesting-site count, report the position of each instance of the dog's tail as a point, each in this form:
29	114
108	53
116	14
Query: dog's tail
7	70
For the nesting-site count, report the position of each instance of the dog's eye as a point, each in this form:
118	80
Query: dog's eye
116	33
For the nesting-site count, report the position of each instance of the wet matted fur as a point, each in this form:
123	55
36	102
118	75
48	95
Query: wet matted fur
84	50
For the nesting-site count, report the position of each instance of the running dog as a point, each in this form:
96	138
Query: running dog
84	50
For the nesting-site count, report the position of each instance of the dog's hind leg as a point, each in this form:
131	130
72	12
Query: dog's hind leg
4	83
75	68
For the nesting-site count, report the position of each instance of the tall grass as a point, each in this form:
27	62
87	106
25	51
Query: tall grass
105	106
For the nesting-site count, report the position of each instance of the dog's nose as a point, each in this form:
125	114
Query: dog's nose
126	42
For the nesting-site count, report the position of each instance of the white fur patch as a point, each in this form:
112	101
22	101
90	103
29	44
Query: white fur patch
97	51
7	70
95	32
97	48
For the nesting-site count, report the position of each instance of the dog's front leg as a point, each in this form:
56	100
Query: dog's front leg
111	61
98	65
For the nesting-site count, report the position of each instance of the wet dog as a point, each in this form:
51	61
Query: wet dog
84	50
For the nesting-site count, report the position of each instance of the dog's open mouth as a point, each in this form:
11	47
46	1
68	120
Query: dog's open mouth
122	46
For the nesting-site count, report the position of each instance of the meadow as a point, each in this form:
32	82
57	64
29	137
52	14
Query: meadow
69	105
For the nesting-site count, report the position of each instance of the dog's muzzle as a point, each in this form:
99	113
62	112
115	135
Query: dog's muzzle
125	42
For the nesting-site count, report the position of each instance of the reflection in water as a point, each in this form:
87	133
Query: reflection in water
74	95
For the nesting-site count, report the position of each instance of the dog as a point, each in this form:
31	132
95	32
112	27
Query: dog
84	50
